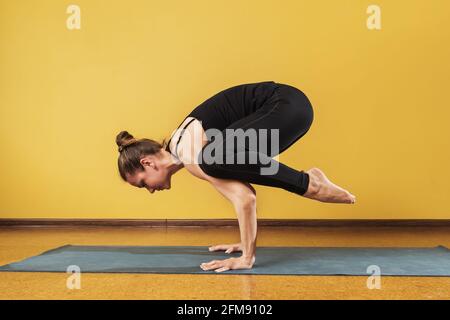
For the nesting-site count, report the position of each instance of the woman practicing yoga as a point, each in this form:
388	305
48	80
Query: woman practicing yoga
266	118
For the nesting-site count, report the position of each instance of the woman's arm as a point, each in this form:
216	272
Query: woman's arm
244	201
243	197
241	194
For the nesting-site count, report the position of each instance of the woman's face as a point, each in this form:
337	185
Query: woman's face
153	177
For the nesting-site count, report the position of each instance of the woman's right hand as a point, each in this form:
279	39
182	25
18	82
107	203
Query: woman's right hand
229	248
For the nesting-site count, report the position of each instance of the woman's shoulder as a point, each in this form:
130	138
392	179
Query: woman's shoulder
191	140
191	144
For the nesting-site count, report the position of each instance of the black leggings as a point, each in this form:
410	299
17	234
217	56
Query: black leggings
287	110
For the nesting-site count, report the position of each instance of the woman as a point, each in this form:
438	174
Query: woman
247	108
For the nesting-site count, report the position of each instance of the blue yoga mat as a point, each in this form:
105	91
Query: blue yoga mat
269	260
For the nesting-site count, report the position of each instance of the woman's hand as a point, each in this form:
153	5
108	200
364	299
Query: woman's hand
229	264
229	248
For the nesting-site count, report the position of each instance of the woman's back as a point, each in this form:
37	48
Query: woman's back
233	104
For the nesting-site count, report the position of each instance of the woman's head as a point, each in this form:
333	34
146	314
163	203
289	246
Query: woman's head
143	162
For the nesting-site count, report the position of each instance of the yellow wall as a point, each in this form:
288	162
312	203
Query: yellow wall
381	101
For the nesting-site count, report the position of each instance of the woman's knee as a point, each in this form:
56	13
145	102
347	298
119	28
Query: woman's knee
211	159
213	170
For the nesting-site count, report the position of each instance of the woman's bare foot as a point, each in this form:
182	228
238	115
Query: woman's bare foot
322	189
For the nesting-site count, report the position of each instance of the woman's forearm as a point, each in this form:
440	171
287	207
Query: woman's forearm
246	213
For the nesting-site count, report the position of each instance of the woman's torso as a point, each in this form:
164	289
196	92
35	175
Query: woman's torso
233	104
224	108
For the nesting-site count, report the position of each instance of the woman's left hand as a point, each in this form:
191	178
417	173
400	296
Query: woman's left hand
229	264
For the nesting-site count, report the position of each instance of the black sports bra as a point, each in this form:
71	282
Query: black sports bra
179	138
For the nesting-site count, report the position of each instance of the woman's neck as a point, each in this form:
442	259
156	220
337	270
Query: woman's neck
170	162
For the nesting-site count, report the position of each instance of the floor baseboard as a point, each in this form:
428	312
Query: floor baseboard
223	222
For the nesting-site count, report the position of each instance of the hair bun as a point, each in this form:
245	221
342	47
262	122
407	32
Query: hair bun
124	139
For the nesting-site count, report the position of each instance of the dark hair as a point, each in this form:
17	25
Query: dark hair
132	150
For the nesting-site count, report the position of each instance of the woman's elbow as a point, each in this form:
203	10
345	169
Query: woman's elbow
246	200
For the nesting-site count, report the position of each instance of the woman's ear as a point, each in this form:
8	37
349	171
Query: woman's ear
148	161
145	161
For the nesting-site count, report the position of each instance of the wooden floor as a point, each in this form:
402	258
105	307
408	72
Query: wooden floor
20	243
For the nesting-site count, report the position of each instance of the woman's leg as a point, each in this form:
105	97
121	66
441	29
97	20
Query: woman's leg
290	112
